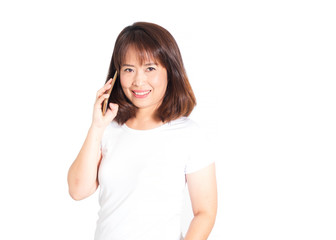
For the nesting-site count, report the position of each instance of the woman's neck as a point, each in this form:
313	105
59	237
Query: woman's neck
144	121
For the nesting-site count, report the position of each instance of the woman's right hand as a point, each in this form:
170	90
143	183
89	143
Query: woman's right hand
100	121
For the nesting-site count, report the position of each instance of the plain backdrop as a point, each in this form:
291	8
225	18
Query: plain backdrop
264	76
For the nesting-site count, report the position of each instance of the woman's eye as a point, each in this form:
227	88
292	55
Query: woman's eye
150	69
128	70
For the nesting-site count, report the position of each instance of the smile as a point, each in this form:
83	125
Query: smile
141	94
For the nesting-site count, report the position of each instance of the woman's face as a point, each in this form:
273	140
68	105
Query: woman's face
145	83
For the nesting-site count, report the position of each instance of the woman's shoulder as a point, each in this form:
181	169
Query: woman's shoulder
183	123
112	128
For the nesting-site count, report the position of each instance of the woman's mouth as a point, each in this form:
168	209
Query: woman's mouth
140	94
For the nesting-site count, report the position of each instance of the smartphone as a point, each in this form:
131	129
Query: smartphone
105	105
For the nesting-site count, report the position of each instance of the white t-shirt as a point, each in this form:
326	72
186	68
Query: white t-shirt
142	179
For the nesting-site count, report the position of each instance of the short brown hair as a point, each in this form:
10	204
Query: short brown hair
151	40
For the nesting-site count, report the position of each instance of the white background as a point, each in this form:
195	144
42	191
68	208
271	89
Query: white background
263	73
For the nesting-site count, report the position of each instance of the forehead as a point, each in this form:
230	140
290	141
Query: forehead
134	54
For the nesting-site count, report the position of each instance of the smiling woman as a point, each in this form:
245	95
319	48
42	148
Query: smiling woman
144	83
145	43
145	149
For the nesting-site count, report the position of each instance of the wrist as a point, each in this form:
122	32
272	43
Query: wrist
97	131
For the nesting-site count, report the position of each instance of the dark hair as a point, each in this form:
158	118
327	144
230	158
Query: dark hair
151	40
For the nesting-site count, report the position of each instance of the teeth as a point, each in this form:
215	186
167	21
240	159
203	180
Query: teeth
141	93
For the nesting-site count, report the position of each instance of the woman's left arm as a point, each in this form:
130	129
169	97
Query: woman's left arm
202	188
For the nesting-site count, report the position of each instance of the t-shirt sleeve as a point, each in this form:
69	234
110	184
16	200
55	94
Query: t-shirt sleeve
200	150
105	137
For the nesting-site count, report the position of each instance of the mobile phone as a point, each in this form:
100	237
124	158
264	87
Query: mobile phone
105	105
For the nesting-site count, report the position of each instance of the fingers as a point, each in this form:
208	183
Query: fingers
99	101
112	110
106	87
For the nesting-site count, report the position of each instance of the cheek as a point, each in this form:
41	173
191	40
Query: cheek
124	82
160	82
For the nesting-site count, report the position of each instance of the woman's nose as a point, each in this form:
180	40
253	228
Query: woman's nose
139	79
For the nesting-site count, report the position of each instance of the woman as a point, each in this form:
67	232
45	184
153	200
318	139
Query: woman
145	149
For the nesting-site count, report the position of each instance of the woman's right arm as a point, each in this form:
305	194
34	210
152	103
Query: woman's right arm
83	173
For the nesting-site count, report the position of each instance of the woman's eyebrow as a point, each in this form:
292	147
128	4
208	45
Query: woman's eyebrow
150	63
127	65
130	65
